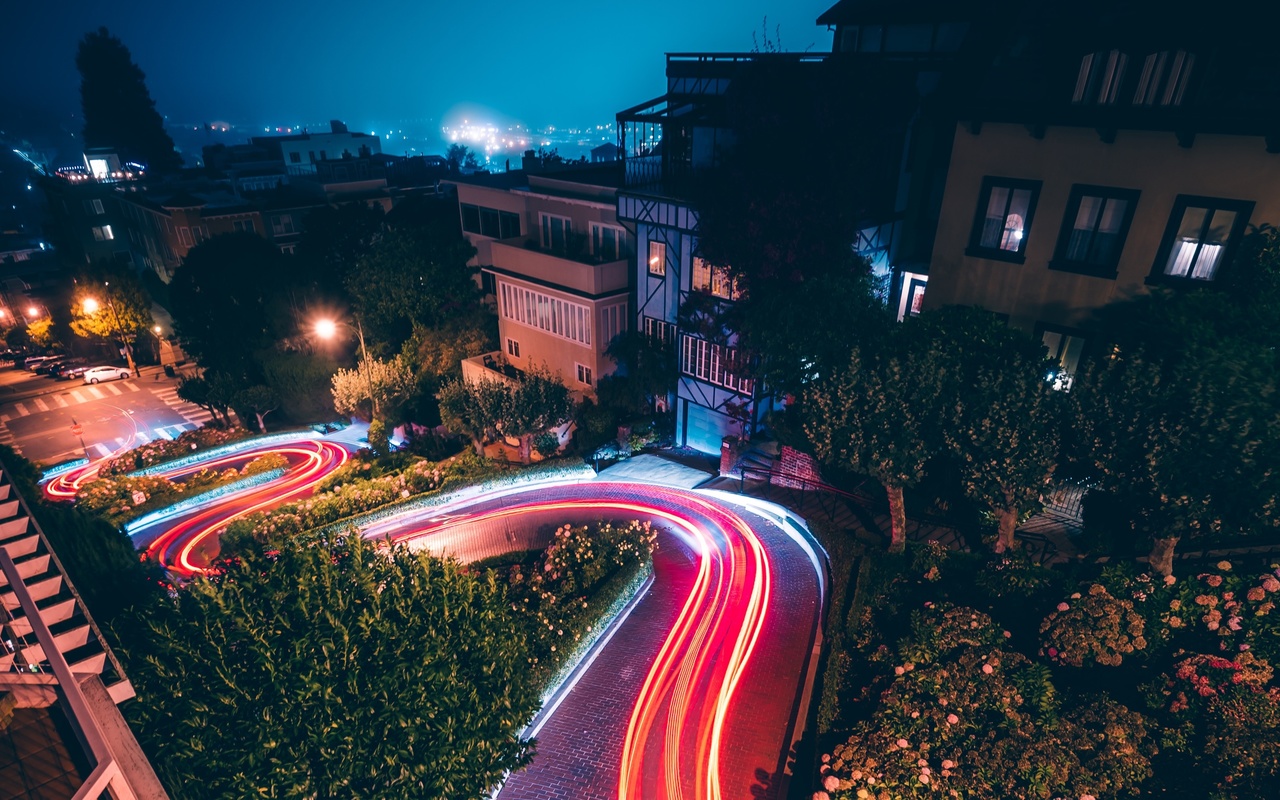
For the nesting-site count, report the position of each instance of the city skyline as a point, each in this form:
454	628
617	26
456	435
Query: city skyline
249	65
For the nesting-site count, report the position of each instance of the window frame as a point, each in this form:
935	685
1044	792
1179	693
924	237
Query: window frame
619	240
545	236
1243	210
513	347
585	375
661	272
1042	328
990	182
1079	191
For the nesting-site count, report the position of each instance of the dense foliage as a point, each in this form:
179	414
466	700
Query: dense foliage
521	409
1132	685
337	669
162	450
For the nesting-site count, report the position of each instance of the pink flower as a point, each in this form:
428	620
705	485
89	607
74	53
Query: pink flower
1063	606
986	669
1053	652
899	671
1225	566
821	796
1214	580
831	783
948	764
924	777
1169	580
1234	623
952	719
1271	584
903	743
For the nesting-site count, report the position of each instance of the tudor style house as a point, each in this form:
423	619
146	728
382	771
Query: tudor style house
1105	159
556	262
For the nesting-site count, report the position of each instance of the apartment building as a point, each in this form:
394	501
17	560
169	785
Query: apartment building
556	262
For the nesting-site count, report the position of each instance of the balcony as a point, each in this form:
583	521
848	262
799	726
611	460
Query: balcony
572	269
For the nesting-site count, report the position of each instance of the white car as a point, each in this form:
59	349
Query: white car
96	374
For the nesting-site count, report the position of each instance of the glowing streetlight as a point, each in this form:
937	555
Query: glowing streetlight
328	329
33	312
90	305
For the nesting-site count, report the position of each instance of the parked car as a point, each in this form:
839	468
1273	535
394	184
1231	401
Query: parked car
71	373
47	367
98	374
59	369
32	362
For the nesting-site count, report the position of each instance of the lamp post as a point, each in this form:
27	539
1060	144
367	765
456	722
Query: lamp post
91	306
327	329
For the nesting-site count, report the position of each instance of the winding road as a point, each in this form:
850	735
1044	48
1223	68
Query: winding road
694	694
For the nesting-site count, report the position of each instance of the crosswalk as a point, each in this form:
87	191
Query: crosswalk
194	416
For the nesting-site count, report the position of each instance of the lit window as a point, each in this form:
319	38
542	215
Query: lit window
1004	216
1202	232
657	258
1064	348
715	280
710	362
1094	229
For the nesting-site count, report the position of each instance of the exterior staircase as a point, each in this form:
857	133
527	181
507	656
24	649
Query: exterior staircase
25	553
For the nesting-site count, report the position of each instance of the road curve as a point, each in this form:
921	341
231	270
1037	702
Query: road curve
694	697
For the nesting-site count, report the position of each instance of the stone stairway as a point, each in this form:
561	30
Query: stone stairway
25	552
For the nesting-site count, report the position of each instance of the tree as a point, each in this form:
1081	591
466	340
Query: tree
536	403
333	240
302	381
646	372
459	156
879	416
1189	445
413	276
392	383
260	401
472	409
436	355
337	669
224	301
1002	420
110	304
785	235
118	110
214	392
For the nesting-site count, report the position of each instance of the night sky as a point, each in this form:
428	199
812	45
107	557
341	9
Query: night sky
566	62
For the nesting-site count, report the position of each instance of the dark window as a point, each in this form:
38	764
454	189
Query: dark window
295	157
1100	77
1094	229
513	348
508	224
1164	78
470	218
1203	233
1003	222
489	223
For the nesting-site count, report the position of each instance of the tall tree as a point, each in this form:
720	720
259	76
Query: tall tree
337	669
258	400
224	301
536	403
880	416
118	109
472	409
786	233
1001	415
333	240
413	276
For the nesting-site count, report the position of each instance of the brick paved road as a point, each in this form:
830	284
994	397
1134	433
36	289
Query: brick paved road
580	747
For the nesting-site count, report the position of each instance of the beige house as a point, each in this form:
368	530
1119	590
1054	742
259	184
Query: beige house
555	261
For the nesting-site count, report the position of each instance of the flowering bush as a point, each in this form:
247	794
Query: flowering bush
1095	627
555	595
981	722
1223	715
162	450
349	492
113	498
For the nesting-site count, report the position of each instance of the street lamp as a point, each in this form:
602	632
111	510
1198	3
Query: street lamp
91	306
327	329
